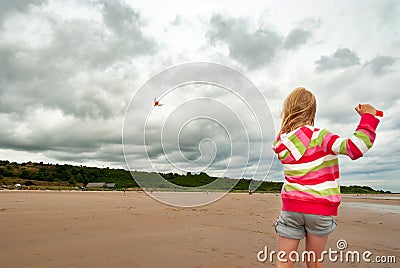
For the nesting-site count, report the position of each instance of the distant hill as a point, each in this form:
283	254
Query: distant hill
54	176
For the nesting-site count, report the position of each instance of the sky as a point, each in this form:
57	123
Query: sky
71	70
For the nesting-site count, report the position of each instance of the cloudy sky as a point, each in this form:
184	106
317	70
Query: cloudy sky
69	70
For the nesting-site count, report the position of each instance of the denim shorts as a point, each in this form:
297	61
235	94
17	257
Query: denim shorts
295	225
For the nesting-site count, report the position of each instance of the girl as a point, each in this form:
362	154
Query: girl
311	191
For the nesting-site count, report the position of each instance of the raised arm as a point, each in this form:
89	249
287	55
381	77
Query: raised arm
362	139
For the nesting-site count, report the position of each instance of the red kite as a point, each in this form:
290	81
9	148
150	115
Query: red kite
157	103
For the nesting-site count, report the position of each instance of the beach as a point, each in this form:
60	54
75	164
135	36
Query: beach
131	229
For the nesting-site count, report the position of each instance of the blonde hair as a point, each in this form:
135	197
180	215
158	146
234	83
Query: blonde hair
298	110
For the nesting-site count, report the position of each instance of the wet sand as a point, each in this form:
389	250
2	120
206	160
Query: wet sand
117	229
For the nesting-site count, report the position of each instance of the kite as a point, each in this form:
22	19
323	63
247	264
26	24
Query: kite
157	103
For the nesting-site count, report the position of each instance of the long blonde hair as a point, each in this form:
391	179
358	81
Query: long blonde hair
298	110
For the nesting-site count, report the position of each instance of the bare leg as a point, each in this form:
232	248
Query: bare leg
317	245
287	245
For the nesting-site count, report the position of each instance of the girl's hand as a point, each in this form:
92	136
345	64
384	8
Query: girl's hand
365	108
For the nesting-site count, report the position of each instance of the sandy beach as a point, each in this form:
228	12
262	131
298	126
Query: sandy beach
117	229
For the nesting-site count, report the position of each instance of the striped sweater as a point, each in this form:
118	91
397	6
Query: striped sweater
311	167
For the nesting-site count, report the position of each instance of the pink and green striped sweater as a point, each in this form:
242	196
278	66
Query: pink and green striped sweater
311	167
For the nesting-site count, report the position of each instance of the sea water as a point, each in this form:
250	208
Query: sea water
376	207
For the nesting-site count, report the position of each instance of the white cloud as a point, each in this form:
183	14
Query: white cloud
381	64
342	58
296	38
258	50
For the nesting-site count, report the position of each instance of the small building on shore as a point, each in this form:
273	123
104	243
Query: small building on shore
97	185
111	185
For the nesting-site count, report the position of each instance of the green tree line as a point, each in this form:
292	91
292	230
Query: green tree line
35	173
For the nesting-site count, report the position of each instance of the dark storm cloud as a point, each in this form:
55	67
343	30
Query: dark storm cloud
69	72
342	58
381	64
111	154
296	38
35	134
66	139
125	22
254	49
226	124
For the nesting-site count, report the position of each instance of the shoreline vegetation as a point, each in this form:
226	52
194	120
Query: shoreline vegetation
42	176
